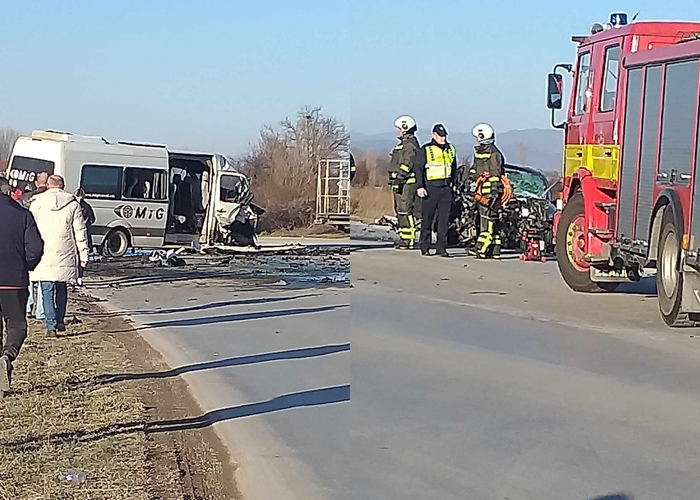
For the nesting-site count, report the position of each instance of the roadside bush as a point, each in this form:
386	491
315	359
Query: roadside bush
283	166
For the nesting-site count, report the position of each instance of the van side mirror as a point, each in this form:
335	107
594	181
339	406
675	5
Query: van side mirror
555	91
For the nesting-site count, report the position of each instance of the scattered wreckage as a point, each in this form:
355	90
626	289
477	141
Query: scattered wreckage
526	219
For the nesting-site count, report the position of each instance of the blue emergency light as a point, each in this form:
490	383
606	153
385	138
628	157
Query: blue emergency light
618	19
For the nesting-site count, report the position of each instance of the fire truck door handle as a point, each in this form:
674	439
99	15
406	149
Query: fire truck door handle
579	154
662	176
608	154
685	177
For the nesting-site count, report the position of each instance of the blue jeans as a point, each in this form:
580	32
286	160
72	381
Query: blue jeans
39	300
55	295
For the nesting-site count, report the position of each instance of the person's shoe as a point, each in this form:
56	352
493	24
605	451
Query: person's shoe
425	253
445	255
400	246
51	334
5	373
61	327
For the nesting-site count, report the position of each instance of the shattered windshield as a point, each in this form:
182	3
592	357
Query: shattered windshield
527	184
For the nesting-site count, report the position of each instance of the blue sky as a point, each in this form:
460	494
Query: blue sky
209	74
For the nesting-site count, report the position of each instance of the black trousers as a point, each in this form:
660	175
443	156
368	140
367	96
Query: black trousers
436	205
13	310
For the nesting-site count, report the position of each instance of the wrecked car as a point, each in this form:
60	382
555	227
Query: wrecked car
530	211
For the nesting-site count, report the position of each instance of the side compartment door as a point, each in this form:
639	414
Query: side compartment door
678	132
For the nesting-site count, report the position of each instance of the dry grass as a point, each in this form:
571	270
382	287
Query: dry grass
44	416
370	203
59	417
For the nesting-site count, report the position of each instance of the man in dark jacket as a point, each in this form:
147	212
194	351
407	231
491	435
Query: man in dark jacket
40	186
436	168
21	249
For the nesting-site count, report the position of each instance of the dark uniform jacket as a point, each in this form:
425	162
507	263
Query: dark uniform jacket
403	156
487	158
21	246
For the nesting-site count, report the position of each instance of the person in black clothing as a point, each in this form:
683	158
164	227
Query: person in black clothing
436	167
88	214
21	249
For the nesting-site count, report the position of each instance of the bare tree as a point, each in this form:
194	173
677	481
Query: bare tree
8	136
282	165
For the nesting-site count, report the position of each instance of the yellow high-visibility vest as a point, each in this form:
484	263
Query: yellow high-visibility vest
439	162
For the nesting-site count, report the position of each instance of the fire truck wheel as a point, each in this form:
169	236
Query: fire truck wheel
570	250
116	243
669	280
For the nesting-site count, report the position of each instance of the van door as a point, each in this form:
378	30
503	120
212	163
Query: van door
225	203
145	205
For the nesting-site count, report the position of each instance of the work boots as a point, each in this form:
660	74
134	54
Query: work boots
5	374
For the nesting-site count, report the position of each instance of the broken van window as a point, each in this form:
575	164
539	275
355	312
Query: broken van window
231	188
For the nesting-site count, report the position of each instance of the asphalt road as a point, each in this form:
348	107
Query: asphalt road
490	380
478	380
266	355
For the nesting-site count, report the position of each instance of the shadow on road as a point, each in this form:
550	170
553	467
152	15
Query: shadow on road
307	352
311	398
232	318
615	496
207	306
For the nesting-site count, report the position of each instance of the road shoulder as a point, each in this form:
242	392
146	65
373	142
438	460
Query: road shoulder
104	404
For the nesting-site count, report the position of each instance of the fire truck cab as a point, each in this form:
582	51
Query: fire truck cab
629	200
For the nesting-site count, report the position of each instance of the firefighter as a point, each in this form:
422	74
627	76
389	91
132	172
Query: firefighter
436	169
486	174
402	180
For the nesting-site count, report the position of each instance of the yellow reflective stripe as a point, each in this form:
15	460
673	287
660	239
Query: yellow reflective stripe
398	146
405	168
412	180
482	156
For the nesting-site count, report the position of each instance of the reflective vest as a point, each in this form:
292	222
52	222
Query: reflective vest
438	164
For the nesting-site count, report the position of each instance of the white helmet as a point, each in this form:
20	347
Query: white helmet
405	123
483	132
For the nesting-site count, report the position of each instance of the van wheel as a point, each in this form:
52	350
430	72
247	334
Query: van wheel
116	243
571	234
669	279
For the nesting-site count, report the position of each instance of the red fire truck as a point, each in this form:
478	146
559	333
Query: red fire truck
631	197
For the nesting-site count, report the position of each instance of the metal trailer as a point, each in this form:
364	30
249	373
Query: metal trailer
333	193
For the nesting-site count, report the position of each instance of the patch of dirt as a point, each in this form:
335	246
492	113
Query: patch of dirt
370	203
76	405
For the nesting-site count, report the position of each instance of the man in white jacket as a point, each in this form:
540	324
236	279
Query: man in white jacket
62	227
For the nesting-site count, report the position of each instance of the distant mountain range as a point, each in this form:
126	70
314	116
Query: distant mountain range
533	147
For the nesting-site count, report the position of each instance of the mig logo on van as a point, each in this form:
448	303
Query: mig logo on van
129	212
124	211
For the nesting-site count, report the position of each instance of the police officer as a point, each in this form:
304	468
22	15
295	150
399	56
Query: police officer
402	179
436	169
486	172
